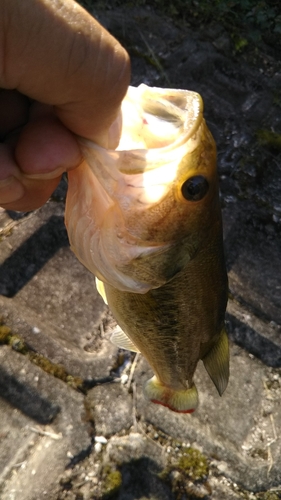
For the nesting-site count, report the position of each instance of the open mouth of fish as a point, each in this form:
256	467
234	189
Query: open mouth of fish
110	207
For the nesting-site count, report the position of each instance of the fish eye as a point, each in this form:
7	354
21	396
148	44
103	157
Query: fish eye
195	188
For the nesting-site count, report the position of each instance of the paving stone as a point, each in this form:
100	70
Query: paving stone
253	259
55	306
110	406
36	453
50	341
140	460
16	440
122	449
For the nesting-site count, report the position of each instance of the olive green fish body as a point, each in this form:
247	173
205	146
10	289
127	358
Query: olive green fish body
179	323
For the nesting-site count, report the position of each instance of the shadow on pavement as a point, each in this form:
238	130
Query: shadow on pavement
26	399
245	336
32	255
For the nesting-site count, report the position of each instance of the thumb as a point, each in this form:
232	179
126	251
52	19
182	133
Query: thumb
57	54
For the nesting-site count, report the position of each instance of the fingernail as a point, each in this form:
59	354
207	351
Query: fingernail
11	190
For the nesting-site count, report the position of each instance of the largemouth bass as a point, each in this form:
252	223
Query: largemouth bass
145	219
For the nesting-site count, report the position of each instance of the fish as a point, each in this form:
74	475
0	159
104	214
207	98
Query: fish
145	219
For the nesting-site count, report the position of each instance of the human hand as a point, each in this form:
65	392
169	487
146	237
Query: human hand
61	74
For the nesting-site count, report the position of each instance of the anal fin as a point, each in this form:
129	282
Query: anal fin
120	339
216	362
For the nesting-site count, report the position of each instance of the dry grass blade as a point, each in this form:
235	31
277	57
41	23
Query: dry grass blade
155	59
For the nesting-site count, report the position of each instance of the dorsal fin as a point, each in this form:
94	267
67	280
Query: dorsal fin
120	339
216	362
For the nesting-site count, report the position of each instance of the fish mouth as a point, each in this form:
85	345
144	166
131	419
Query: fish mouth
159	127
155	118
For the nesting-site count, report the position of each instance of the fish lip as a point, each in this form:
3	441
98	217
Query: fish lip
143	91
154	152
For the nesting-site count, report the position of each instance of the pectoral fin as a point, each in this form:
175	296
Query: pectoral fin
101	290
216	362
120	339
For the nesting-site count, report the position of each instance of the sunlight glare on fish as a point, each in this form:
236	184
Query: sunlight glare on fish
156	183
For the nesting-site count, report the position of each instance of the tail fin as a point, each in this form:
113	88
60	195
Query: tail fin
181	401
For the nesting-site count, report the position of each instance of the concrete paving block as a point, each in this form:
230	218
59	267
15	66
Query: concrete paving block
140	460
52	342
110	407
42	443
40	271
122	449
253	260
50	299
16	439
